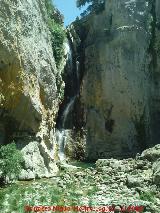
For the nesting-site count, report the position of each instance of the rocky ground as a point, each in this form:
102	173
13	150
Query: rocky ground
134	182
124	182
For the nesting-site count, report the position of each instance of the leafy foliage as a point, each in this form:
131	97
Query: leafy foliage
147	196
58	37
94	6
10	161
55	23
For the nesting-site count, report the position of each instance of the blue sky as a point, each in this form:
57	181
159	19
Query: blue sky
68	9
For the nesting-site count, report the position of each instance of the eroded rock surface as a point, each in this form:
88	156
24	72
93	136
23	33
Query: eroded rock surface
29	96
120	84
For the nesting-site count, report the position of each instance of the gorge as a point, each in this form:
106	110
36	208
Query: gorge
82	104
109	76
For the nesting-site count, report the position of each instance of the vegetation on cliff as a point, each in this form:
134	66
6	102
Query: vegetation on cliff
58	35
94	6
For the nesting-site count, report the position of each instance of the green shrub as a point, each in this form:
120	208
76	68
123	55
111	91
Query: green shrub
58	34
58	37
10	161
147	196
95	6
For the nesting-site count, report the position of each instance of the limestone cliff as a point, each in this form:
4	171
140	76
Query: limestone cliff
29	95
120	84
112	93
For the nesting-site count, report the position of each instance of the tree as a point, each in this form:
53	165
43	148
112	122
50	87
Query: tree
10	161
58	34
94	6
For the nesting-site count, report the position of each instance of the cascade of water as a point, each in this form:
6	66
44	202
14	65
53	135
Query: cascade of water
61	134
69	56
77	72
60	137
67	110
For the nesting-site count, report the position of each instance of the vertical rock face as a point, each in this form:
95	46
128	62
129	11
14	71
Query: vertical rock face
155	53
115	90
28	91
120	87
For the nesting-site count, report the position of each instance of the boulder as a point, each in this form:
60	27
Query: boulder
151	154
156	172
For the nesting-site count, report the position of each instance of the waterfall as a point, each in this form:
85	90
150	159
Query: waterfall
72	73
77	72
61	139
69	56
61	134
67	110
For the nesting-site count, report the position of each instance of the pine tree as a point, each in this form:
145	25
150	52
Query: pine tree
94	5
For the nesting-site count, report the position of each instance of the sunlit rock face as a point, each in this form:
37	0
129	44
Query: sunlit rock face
120	87
28	91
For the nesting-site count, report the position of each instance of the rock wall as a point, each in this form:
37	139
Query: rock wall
29	96
120	85
116	82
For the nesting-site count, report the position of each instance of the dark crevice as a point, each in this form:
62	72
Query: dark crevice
154	104
73	82
152	51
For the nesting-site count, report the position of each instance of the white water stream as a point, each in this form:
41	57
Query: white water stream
62	133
